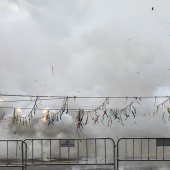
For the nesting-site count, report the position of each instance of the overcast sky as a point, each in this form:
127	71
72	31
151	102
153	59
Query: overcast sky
96	48
85	47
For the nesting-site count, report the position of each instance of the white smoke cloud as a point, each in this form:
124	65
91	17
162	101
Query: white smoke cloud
96	48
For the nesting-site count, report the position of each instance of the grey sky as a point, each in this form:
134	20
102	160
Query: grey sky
96	46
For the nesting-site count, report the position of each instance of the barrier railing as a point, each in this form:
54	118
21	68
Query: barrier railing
13	153
143	150
90	151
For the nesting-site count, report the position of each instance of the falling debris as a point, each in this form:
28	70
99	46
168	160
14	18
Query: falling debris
52	70
163	117
152	8
1	118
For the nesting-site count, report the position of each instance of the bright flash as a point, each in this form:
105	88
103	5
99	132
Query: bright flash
1	100
18	109
45	111
44	119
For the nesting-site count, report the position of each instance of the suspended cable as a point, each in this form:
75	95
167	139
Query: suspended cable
3	101
26	108
61	97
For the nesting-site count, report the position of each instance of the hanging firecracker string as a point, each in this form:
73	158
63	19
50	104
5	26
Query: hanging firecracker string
168	109
96	118
79	119
14	116
81	115
101	107
117	113
1	118
51	116
164	104
104	114
25	119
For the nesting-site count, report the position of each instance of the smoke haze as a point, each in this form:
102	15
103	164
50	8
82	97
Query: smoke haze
85	48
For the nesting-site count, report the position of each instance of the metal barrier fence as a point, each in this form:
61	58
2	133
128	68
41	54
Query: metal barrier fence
143	150
90	151
13	153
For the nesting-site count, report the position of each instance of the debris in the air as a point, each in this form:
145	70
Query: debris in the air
52	70
163	117
2	116
155	101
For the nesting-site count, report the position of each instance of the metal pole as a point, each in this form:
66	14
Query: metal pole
86	152
163	147
105	149
59	151
95	152
32	151
7	149
22	156
78	151
41	150
141	150
133	149
148	149
68	154
50	149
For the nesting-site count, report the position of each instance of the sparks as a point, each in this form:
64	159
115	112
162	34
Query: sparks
18	109
44	119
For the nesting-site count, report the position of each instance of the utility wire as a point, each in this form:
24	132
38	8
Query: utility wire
61	97
25	108
4	101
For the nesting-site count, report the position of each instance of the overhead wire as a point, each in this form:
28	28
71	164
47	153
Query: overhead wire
61	97
29	100
26	108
